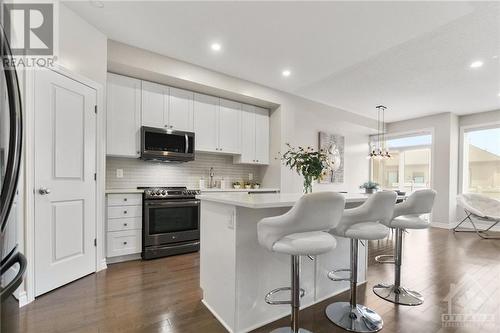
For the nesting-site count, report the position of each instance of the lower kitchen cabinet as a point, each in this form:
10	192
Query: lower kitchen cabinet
124	224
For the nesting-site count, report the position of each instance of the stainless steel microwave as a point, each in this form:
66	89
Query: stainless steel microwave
166	145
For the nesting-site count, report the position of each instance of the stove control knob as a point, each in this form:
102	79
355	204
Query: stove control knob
157	192
164	192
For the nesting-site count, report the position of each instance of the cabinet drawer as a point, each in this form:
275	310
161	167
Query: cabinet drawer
124	242
126	199
129	223
124	211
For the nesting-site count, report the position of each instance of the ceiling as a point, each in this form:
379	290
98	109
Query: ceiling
413	57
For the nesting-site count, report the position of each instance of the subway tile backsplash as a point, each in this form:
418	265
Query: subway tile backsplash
141	173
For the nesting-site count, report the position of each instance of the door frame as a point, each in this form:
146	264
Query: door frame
29	175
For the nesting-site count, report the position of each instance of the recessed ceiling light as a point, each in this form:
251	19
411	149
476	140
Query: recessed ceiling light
494	57
286	73
476	64
216	47
96	3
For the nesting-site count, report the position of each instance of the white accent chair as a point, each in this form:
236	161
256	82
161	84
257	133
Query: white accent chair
360	223
301	232
407	215
482	208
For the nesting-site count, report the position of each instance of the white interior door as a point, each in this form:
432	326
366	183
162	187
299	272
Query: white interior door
65	189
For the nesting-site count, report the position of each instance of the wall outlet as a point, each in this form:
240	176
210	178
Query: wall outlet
250	176
119	173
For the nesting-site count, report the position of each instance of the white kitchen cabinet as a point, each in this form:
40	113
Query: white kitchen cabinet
247	135
154	104
124	225
254	136
180	111
261	136
123	116
229	127
206	126
167	107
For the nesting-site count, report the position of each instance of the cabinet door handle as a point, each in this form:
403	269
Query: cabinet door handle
125	224
124	243
124	212
124	199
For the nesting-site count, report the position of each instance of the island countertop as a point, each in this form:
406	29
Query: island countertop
269	200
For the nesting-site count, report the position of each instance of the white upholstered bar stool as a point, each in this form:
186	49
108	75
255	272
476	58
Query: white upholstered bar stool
301	232
360	223
407	215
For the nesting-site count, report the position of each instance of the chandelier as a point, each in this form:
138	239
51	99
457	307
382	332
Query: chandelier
378	150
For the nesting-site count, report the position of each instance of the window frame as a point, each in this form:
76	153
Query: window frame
462	158
397	135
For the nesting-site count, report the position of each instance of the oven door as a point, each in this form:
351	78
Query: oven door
171	221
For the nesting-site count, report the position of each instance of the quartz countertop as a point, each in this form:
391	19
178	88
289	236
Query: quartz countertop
268	200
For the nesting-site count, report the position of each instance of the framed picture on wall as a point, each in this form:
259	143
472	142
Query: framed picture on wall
333	144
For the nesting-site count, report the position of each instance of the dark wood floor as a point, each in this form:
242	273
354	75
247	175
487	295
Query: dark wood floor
163	295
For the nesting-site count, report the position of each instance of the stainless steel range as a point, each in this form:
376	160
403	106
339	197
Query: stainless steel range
170	222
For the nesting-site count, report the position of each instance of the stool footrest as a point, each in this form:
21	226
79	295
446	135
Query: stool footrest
279	302
385	259
332	275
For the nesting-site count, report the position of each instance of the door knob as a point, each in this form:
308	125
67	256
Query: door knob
44	191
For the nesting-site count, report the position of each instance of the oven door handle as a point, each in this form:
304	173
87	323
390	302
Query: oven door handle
173	203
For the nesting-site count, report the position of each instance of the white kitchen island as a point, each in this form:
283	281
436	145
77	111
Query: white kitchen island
236	272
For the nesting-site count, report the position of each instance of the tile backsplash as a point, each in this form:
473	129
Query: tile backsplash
142	173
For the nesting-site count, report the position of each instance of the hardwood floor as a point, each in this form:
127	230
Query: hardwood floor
163	295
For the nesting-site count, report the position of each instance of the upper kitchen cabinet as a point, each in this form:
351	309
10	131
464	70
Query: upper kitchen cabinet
123	116
206	126
180	113
254	136
229	127
154	104
261	135
167	107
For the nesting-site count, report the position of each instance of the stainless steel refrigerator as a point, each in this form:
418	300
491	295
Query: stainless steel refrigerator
13	263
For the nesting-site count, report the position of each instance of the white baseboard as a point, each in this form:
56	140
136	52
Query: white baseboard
466	225
441	225
128	257
102	265
23	298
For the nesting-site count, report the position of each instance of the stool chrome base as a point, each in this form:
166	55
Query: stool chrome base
362	319
398	295
289	330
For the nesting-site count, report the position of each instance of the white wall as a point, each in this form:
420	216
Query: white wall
82	48
444	160
294	119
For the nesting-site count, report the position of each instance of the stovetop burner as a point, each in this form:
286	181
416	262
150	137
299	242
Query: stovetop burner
171	192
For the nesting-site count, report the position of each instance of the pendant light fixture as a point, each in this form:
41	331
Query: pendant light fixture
379	150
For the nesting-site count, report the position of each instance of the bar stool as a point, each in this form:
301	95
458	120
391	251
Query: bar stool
360	223
407	215
300	232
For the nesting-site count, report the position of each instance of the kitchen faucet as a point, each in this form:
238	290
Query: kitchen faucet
211	174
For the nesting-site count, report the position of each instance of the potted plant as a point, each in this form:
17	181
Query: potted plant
370	187
256	185
236	185
248	185
307	162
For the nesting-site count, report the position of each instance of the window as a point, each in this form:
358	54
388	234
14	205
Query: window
482	161
410	166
